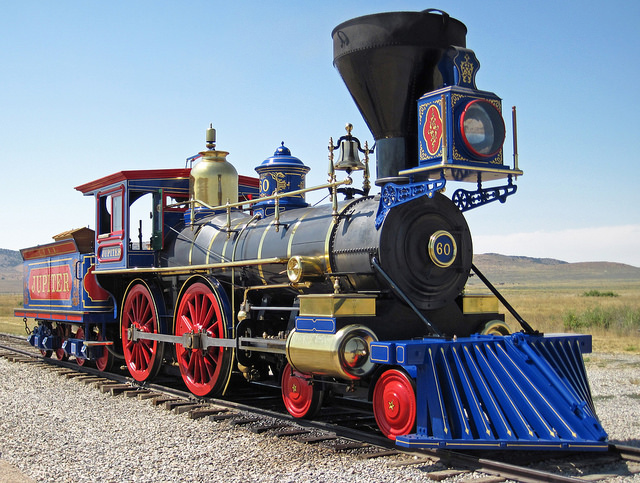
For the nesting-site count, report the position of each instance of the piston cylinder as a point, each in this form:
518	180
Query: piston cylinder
345	354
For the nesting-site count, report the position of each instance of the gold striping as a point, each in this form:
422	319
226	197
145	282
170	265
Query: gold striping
432	364
224	247
456	393
193	242
473	395
49	261
514	406
523	395
213	238
327	242
494	404
264	235
293	232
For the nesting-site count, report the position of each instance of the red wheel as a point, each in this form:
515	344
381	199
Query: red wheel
46	353
80	335
60	353
300	398
204	371
394	403
143	357
105	361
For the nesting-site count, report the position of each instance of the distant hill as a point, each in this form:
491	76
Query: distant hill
9	258
10	271
527	270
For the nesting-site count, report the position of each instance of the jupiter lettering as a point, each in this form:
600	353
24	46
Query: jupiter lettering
50	283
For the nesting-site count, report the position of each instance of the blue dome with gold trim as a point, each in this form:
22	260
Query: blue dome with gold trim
282	157
281	173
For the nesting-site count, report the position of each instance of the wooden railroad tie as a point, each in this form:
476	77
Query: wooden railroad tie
206	411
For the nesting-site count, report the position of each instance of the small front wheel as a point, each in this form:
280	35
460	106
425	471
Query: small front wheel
394	403
301	398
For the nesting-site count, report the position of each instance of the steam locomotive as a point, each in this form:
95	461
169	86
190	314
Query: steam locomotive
364	296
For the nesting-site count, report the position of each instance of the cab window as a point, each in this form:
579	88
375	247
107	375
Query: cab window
110	214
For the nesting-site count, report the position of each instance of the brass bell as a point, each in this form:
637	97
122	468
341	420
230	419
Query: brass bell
349	160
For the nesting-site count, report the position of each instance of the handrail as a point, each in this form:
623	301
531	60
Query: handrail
275	196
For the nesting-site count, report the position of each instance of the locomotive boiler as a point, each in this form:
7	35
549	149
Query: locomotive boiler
363	296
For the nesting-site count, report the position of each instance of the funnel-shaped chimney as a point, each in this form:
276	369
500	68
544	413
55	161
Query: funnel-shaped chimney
388	60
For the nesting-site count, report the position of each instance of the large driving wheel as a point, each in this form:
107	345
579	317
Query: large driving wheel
394	403
143	357
201	310
300	397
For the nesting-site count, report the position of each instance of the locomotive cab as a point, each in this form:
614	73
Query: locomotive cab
120	242
125	203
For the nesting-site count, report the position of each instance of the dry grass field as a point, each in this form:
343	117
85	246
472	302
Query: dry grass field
8	323
549	309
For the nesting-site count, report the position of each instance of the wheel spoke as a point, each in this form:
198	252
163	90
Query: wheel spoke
192	366
193	313
210	365
187	323
208	321
135	309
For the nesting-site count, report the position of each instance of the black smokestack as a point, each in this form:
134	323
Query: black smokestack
388	61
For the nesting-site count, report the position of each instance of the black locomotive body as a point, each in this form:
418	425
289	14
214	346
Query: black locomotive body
365	294
343	246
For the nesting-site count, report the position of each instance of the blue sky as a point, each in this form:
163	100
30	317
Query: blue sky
89	88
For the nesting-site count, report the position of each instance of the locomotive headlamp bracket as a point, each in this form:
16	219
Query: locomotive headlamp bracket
393	194
467	200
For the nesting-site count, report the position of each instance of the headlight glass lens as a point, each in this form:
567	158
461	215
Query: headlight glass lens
482	128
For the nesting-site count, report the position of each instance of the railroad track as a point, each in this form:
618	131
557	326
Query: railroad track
340	427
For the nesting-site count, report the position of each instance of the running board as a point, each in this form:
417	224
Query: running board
516	392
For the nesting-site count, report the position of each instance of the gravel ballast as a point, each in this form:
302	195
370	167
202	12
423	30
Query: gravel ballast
60	430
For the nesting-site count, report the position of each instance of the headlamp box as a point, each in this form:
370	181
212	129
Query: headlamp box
458	125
